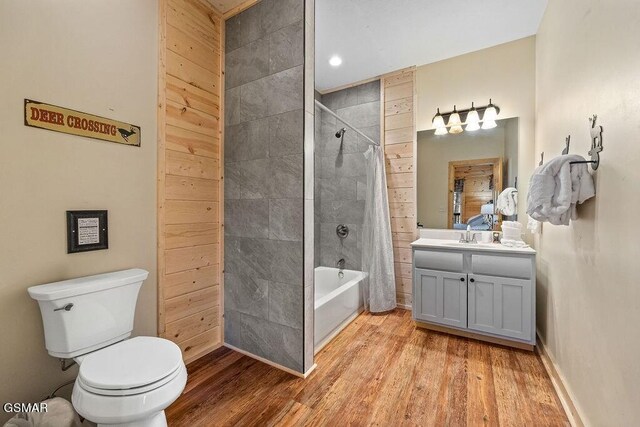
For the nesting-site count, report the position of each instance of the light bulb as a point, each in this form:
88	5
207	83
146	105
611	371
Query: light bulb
490	113
472	126
454	118
441	131
473	119
438	121
488	124
335	61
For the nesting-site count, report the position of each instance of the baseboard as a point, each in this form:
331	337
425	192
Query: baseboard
475	336
403	306
559	385
269	362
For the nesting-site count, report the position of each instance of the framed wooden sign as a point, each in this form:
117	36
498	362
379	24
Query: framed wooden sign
87	231
59	119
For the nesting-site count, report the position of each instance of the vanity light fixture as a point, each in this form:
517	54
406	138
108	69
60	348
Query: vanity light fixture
438	121
335	61
489	117
471	117
455	122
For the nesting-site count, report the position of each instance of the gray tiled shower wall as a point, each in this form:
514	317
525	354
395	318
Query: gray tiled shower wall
264	142
340	175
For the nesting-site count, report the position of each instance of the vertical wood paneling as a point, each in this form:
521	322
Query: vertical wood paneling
399	130
190	176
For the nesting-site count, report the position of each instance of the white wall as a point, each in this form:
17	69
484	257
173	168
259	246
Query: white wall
505	73
98	57
588	62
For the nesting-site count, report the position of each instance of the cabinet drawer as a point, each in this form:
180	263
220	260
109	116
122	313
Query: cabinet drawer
447	261
496	265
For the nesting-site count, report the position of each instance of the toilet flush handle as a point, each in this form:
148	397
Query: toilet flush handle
66	307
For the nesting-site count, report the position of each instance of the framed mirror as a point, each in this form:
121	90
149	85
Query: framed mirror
459	176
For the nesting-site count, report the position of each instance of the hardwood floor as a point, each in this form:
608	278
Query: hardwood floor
380	371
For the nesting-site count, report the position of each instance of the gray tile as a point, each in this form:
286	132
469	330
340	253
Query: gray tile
246	294
247	141
274	94
286	47
247	63
246	218
332	248
326	167
343	211
232	107
255	179
243	28
232	327
337	189
280	13
369	92
286	304
278	343
285	219
248	256
350	165
286	177
232	180
287	262
286	134
361	115
340	99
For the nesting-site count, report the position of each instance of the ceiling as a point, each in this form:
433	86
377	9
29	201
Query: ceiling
374	37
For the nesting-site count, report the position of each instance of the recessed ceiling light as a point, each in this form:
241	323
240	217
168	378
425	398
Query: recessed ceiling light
335	61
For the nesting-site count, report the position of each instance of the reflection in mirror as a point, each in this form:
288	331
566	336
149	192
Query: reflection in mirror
461	175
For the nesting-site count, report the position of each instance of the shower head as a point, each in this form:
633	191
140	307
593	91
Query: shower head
341	132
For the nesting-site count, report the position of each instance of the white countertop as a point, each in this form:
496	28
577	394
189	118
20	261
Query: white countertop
454	245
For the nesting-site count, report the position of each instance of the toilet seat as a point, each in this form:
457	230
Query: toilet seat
134	366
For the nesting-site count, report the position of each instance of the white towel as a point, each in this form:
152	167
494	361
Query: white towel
507	203
556	187
533	225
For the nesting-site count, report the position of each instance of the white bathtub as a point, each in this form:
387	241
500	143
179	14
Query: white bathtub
337	302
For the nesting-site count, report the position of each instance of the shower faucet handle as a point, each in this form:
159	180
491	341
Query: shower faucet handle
342	231
340	263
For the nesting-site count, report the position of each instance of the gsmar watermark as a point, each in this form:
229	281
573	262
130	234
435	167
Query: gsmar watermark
16	407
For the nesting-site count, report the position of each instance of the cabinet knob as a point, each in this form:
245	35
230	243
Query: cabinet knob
472	280
462	279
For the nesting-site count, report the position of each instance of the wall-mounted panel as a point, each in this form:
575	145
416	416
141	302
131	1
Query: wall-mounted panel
399	130
190	190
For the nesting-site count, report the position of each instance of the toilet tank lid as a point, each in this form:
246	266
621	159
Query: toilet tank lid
85	285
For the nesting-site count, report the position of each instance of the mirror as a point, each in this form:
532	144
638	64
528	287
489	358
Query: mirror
459	176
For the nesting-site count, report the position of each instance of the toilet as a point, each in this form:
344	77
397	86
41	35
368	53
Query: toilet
121	381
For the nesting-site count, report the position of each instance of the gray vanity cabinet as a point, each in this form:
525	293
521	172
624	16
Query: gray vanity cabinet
441	297
476	292
500	306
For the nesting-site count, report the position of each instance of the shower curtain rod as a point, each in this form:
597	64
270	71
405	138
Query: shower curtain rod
325	108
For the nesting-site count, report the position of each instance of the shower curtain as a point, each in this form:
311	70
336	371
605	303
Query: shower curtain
377	247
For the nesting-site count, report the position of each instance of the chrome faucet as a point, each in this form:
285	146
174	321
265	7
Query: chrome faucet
468	237
340	264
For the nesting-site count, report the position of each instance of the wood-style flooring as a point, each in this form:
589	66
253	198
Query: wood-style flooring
380	371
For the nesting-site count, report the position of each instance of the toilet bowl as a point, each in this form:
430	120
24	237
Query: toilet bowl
122	381
130	383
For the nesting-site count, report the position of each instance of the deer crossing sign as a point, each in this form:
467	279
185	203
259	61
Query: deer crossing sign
59	119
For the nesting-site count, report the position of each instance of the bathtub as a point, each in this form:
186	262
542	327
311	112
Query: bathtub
337	302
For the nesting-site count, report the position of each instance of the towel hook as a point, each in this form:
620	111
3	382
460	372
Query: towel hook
541	159
567	142
596	144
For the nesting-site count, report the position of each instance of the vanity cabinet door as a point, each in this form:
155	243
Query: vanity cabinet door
500	306
440	297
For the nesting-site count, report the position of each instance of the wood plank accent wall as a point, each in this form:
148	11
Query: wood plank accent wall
400	139
190	189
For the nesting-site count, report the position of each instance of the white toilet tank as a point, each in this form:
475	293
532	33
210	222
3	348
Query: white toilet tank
85	314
